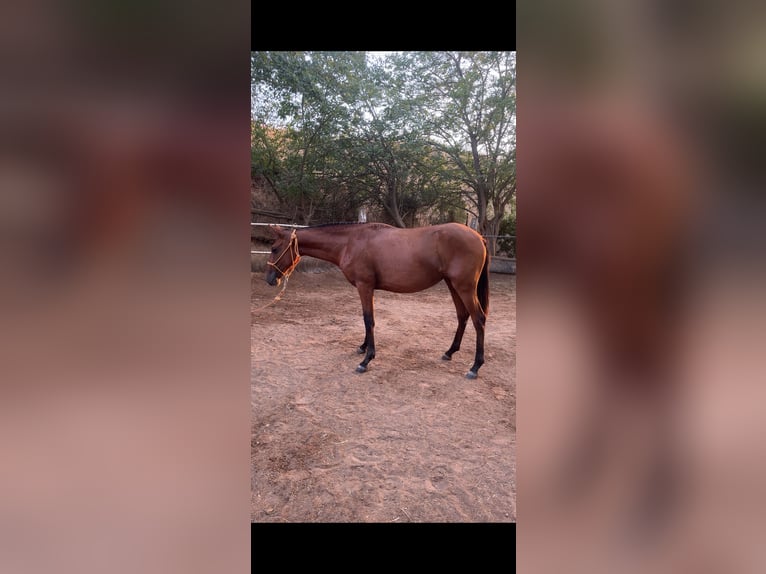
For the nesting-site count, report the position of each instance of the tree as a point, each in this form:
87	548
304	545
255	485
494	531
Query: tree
333	127
301	102
469	100
410	133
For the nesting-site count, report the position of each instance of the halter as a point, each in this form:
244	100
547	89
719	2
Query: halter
296	257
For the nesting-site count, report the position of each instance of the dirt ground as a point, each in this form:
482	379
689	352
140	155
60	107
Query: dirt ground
411	440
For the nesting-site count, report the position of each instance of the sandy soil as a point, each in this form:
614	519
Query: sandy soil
411	440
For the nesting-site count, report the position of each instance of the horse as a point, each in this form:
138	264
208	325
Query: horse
608	212
378	256
126	170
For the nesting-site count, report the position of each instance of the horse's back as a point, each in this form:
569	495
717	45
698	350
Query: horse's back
458	236
435	244
410	260
426	255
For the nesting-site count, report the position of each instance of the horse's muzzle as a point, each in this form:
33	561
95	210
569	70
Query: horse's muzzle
271	278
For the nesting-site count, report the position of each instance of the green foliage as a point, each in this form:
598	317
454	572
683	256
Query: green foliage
469	99
507	246
333	131
301	102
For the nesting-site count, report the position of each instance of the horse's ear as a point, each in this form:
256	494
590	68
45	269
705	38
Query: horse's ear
275	231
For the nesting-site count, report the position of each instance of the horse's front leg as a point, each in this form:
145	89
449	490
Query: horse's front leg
368	314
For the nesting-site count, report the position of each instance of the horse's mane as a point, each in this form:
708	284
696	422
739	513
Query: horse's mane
341	224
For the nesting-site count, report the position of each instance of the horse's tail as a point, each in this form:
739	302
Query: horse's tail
482	289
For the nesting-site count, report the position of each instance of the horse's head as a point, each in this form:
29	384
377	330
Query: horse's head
284	255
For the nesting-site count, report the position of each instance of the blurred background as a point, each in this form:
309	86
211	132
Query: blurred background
641	278
124	293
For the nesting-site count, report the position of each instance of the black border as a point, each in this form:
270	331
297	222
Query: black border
379	27
481	547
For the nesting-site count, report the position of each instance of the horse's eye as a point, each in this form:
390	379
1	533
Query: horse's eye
273	249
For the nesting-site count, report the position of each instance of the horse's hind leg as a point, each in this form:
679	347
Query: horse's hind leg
368	314
462	320
479	318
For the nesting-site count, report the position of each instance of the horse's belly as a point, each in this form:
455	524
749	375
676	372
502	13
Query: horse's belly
408	282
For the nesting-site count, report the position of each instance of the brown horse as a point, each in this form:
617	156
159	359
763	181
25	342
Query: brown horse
608	213
378	256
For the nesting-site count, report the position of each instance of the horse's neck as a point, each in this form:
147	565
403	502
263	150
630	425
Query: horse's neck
322	243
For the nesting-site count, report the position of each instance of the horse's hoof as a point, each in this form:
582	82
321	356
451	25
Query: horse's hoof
360	351
446	357
361	369
471	375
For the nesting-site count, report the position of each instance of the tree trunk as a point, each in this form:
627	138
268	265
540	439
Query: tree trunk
481	196
493	228
391	205
482	192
